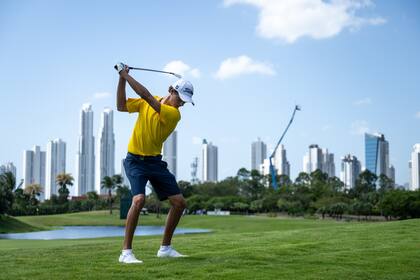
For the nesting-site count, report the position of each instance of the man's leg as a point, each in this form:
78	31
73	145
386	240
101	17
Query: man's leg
178	204
132	220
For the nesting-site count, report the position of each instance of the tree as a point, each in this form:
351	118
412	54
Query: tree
64	180
110	183
33	190
7	184
92	198
365	183
385	183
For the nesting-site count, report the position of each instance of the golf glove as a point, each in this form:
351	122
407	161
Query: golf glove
120	66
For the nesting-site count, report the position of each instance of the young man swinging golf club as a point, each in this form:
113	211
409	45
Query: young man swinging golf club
157	118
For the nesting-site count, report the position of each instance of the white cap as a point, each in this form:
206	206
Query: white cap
185	90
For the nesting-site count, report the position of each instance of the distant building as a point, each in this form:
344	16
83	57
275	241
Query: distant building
85	158
350	170
194	167
8	167
34	169
105	155
377	154
170	152
124	175
415	168
280	162
258	154
391	173
56	164
210	162
316	158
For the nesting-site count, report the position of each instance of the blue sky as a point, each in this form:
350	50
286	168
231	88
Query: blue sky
353	66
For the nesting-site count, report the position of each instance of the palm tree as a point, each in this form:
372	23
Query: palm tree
64	180
33	190
110	183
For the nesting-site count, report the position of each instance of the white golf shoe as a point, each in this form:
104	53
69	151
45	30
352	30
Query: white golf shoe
169	252
128	258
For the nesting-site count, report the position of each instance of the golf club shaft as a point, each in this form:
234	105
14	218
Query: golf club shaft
152	70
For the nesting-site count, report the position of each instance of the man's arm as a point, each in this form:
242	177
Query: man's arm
121	96
141	90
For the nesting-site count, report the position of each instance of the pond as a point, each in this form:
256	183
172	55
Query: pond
78	232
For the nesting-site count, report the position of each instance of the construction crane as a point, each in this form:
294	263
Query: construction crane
272	169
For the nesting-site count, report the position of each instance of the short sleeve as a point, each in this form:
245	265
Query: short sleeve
133	104
169	114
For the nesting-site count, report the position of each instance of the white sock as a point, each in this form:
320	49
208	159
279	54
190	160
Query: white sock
164	248
127	252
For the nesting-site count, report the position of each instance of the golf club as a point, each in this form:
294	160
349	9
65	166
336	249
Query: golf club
151	70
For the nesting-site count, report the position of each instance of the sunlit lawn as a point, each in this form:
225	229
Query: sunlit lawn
239	247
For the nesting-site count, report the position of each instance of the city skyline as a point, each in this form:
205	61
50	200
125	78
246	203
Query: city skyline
359	77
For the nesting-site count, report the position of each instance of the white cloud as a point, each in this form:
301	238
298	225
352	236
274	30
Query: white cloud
364	101
359	127
101	95
289	20
243	64
179	67
418	115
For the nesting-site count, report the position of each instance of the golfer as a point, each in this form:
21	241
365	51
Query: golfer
157	118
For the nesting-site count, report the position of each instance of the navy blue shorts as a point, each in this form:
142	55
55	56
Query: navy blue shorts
140	169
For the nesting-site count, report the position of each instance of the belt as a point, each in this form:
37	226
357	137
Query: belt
141	157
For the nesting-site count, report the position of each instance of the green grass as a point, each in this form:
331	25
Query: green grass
238	248
9	224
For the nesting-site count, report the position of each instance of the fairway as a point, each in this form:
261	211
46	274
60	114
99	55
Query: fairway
240	247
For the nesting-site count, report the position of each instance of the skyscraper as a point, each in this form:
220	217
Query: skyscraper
316	158
209	152
105	155
8	167
170	152
258	154
56	164
85	158
126	182
328	165
415	168
350	170
280	162
34	169
377	154
313	159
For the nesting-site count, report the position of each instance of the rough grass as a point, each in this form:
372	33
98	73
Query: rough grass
238	248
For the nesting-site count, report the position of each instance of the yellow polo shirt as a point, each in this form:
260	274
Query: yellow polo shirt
151	128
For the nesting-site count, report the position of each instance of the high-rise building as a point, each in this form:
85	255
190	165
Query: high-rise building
170	152
8	167
391	173
328	165
316	158
209	152
105	155
280	162
350	170
126	182
34	169
377	154
85	158
194	167
56	164
415	168
313	159
258	154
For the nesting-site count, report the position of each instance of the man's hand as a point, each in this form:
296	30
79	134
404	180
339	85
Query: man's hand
122	69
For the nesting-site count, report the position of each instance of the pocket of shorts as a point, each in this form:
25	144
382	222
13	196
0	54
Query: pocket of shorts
164	164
